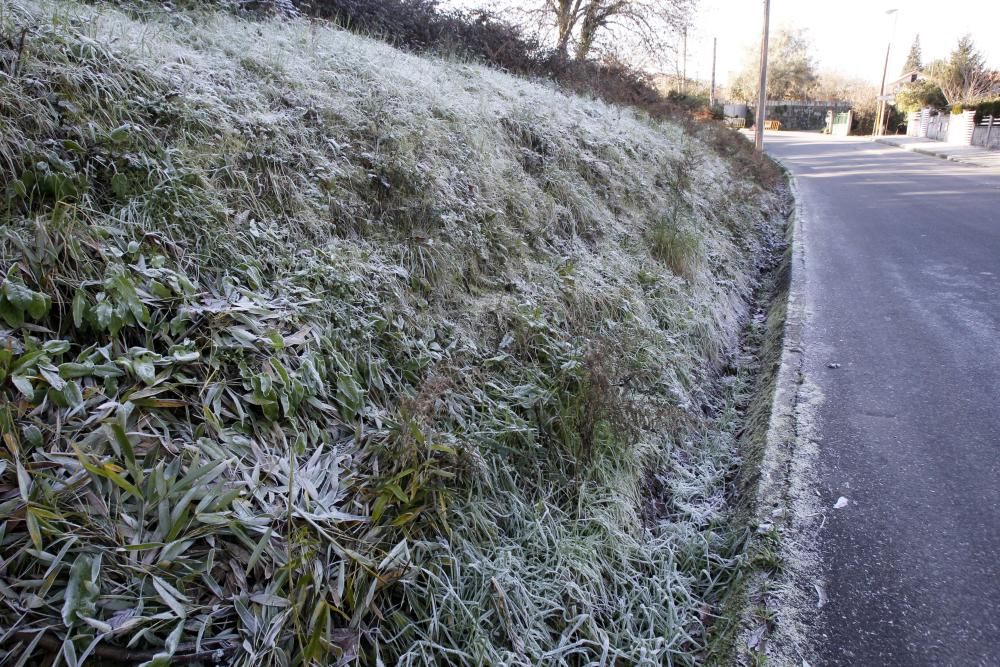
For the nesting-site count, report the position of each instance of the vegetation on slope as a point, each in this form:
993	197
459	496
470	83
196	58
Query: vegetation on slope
312	350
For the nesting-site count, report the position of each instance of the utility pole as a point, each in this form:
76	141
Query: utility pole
762	94
684	70
711	94
878	129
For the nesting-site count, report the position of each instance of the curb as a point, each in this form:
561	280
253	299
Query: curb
932	153
786	390
784	487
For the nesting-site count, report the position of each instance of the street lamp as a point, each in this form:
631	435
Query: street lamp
877	130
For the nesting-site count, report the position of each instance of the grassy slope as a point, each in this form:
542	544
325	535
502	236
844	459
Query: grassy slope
313	348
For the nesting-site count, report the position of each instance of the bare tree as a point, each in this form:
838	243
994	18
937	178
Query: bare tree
587	25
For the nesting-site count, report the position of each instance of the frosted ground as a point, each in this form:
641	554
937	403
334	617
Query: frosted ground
316	350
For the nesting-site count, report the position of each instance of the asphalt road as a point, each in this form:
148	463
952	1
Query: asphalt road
902	257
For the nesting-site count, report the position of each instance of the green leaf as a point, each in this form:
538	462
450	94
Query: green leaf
19	295
258	550
39	305
17	188
122	444
398	492
11	314
119	134
79	308
51	375
184	355
320	620
145	370
350	395
107	472
23	481
119	185
108	371
81	589
70	370
34	530
23	385
165	657
170	596
56	347
160	290
269	600
104	313
71	145
33	435
69	396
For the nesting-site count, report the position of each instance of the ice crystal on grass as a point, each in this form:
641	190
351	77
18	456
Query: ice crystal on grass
315	351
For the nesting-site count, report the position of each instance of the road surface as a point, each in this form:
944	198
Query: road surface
902	256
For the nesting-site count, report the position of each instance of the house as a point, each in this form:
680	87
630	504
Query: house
893	87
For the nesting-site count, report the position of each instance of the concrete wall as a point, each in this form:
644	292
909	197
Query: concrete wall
960	128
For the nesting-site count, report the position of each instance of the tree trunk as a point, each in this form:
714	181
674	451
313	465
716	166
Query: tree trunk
588	32
565	21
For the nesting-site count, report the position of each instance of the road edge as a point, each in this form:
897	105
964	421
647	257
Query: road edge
785	588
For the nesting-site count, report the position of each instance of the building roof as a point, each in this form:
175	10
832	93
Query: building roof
908	77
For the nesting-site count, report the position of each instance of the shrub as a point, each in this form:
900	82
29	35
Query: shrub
422	25
987	108
866	113
919	94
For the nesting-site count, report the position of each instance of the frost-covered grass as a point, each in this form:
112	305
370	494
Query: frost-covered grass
314	350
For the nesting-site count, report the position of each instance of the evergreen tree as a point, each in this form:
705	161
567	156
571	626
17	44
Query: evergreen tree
913	60
963	77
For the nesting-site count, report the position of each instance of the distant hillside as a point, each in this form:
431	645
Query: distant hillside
313	351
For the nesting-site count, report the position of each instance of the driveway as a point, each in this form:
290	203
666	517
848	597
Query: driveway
902	340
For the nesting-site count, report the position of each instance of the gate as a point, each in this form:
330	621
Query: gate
842	124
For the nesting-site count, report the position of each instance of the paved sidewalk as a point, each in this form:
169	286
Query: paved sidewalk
972	155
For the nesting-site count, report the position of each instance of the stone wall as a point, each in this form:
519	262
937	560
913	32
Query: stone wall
802	115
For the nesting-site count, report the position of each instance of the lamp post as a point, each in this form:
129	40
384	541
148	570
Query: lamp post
882	116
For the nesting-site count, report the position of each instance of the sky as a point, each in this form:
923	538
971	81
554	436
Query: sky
850	36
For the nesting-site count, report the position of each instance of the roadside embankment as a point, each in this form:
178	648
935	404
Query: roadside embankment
313	351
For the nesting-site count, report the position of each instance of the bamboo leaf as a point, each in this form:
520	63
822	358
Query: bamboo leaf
170	596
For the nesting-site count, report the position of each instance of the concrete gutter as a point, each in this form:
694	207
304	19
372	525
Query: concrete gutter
788	513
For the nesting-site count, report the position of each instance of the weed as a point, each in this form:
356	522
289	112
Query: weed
676	248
